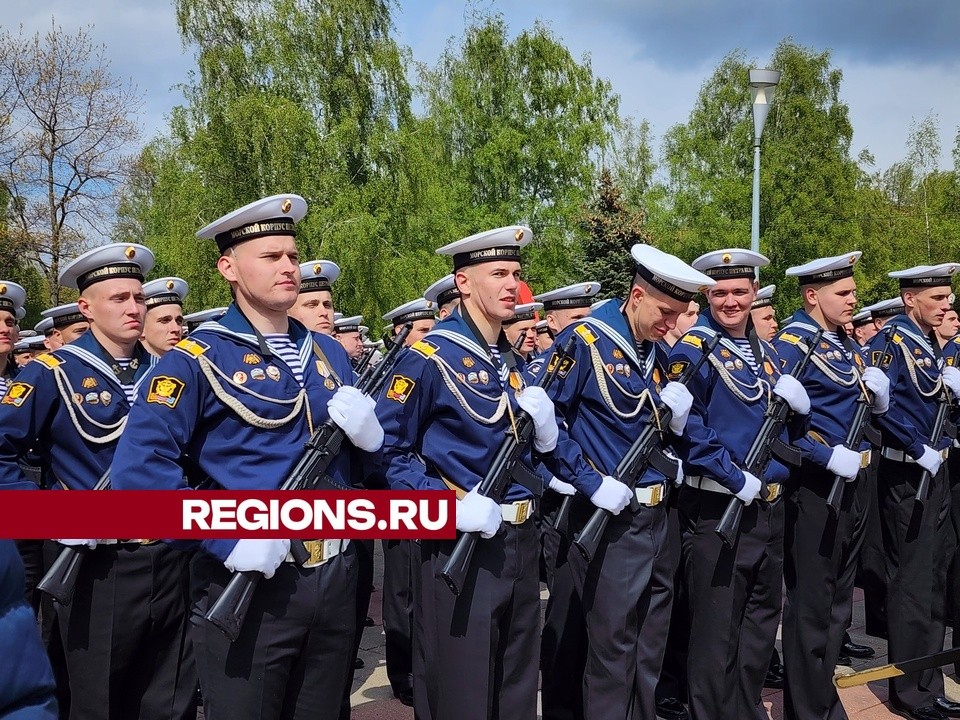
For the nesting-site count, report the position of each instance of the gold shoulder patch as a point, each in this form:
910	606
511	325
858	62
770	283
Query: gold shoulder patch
882	363
565	367
49	360
588	337
950	361
195	348
790	338
897	338
691	339
17	394
165	390
423	347
675	369
401	387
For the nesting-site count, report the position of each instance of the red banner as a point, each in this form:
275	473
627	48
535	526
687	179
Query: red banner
201	515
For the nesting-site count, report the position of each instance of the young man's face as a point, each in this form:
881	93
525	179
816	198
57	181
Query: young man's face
65	335
162	329
420	328
264	272
765	321
9	334
116	308
950	325
526	328
557	320
315	311
928	305
685	321
864	333
652	314
730	302
351	343
491	287
836	300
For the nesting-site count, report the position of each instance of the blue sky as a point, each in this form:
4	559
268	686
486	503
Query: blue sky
900	59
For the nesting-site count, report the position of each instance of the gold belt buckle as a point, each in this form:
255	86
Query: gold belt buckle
316	549
773	492
656	495
864	459
523	511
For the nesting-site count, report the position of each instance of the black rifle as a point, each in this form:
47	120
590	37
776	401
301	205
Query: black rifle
936	435
495	483
855	435
60	580
364	360
230	609
762	450
637	458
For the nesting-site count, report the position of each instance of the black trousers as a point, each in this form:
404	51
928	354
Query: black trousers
125	636
292	658
627	592
364	551
734	599
563	640
871	565
915	543
820	556
398	574
479	649
550	537
953	550
673	673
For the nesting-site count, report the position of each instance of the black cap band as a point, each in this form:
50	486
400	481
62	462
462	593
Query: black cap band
925	282
262	228
570	302
494	254
762	302
448	296
7	304
63	321
826	276
315	284
411	316
346	328
863	321
887	312
665	286
110	272
164	299
731	272
520	317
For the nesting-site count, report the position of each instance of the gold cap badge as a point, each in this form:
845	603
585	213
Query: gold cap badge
726	258
286	205
171	284
518	235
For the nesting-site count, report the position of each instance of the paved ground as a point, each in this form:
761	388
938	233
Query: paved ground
372	698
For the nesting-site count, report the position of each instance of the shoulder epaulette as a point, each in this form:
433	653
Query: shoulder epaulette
789	337
425	347
586	333
193	348
51	361
956	340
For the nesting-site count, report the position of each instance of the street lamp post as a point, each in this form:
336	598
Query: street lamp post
763	82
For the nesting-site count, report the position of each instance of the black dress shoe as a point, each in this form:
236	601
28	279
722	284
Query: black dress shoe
948	707
927	712
406	697
774	677
671	709
358	664
368	622
852	649
844	659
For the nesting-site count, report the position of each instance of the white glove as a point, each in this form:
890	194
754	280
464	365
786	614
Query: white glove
264	556
676	397
534	400
790	389
559	486
354	413
79	543
678	480
478	513
844	462
751	486
878	382
612	495
930	460
951	378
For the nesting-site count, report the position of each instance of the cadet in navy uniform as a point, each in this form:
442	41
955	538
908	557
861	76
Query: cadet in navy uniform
820	551
734	594
240	398
163	325
346	330
763	314
61	325
604	397
401	557
445	412
522	325
863	329
444	294
314	306
12	298
195	320
71	406
914	537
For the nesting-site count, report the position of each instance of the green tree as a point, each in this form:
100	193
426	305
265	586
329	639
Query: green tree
520	123
612	229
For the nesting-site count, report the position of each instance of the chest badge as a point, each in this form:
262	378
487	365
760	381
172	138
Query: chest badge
273	372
